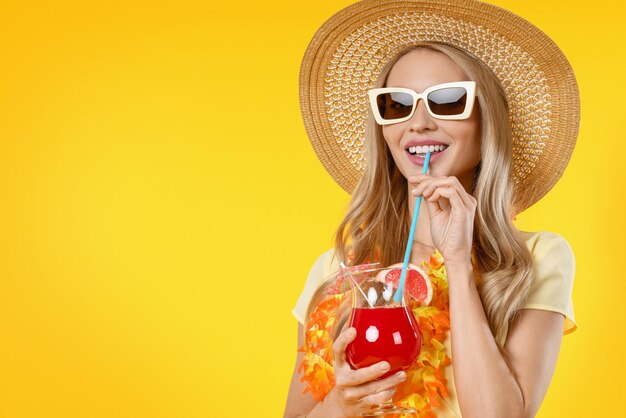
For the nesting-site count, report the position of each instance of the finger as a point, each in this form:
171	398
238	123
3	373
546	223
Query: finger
433	208
441	182
419	177
376	386
451	194
419	189
367	374
452	181
340	344
378	398
426	188
467	198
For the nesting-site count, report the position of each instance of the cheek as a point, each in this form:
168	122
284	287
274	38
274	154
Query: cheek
474	146
473	137
473	143
468	140
470	133
392	134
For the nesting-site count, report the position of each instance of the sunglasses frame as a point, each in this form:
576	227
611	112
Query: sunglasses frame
470	88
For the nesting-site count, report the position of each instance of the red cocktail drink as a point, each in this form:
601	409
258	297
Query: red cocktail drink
384	333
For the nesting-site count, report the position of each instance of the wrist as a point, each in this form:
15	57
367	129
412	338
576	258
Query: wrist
459	259
329	408
459	271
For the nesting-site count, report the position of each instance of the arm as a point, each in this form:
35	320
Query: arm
298	402
490	382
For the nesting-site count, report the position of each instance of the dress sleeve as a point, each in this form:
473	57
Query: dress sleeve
553	270
318	272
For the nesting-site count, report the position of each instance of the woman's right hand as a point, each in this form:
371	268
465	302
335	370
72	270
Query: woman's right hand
357	391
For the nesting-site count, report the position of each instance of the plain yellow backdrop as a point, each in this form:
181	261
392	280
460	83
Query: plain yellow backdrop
160	205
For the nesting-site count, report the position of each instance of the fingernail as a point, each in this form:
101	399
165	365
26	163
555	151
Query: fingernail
401	376
384	366
351	332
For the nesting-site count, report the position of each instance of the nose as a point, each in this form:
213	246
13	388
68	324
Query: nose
421	119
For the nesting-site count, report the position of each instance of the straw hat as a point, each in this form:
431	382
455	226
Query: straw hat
349	50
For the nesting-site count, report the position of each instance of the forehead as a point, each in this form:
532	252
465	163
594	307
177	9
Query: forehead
422	68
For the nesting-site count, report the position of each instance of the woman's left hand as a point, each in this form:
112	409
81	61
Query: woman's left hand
451	211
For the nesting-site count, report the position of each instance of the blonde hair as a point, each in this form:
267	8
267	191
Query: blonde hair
376	225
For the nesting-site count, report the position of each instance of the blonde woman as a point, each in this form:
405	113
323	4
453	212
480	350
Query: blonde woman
502	296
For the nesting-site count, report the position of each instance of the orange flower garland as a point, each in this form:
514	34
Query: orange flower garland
426	383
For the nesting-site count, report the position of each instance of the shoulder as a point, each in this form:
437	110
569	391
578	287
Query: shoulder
548	245
553	274
325	264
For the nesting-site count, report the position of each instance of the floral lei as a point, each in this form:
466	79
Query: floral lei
426	384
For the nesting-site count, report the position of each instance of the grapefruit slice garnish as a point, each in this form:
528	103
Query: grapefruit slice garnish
417	284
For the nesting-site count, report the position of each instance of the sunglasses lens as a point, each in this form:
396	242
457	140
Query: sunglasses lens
448	101
394	105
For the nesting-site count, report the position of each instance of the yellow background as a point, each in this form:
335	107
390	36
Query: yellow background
160	205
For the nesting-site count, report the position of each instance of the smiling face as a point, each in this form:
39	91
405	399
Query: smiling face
418	70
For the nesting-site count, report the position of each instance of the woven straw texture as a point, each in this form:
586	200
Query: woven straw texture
347	53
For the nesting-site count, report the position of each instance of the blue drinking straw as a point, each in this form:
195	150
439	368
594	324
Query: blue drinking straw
409	245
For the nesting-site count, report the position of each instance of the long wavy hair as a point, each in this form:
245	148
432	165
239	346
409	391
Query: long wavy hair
376	225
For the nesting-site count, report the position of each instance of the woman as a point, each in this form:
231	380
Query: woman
504	295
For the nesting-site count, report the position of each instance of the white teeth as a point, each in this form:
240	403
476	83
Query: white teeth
426	148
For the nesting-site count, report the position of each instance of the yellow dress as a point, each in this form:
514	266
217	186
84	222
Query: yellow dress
430	383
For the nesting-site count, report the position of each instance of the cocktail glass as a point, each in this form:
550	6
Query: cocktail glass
386	330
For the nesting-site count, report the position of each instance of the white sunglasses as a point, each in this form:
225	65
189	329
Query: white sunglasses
450	101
